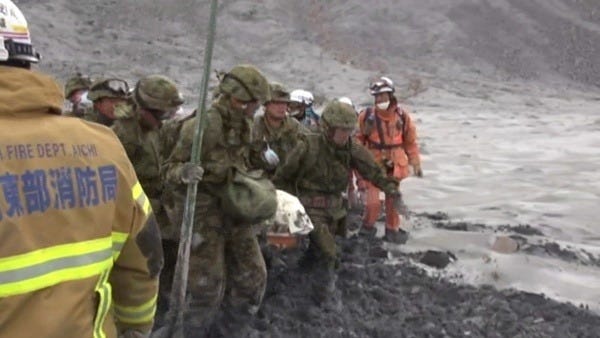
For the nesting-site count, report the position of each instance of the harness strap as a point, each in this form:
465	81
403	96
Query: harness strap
382	145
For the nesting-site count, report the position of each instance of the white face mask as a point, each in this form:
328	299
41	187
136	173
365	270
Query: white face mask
244	106
383	105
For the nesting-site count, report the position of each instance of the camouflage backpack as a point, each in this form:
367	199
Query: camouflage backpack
248	197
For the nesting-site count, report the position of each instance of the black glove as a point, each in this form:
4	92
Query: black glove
191	173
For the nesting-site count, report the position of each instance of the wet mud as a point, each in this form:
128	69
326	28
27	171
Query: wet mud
379	297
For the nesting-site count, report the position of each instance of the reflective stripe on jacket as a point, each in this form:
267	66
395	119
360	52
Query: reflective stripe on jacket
77	234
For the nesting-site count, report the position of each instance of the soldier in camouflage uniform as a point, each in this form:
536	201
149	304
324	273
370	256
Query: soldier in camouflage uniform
138	125
318	168
226	265
76	90
274	134
108	95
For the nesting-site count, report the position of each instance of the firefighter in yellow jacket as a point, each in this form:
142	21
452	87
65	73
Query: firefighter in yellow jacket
80	250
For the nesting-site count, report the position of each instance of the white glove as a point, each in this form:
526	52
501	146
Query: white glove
270	157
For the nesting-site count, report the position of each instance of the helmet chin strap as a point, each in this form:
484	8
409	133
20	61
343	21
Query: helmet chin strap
149	120
103	119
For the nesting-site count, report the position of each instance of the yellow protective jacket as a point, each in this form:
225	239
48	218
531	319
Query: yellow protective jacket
80	250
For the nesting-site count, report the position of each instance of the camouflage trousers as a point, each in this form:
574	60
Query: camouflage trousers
322	256
170	240
162	218
226	265
168	209
322	238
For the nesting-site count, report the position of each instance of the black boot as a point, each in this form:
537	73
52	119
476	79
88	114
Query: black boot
368	232
309	259
325	293
396	237
231	323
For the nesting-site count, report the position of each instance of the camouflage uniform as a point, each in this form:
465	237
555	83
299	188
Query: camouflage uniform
281	139
143	149
92	115
318	169
173	194
142	141
105	88
78	82
227	262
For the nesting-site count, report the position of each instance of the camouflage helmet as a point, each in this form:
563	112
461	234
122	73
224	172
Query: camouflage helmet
245	83
113	88
157	92
278	93
339	115
75	83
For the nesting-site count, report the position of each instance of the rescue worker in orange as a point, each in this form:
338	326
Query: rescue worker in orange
80	249
390	134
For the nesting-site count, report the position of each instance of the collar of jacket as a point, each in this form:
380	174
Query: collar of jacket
223	106
273	131
334	149
26	91
127	110
230	116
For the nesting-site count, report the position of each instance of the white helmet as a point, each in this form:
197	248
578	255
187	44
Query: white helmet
383	85
302	96
15	42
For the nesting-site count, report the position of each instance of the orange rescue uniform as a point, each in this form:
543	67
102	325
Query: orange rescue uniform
391	136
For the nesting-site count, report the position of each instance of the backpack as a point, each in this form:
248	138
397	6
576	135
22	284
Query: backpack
248	197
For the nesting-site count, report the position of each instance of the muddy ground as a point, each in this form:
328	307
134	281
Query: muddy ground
383	294
505	96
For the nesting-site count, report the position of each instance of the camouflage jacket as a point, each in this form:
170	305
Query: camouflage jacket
282	140
143	149
225	145
147	149
92	115
317	168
